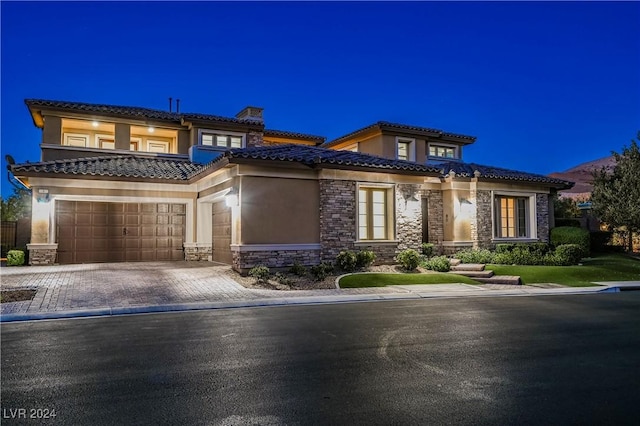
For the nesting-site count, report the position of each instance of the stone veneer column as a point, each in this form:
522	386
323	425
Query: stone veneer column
408	217
542	216
482	224
337	217
254	139
435	225
42	254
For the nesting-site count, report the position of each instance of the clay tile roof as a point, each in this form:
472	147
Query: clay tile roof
491	172
126	166
295	135
128	111
386	125
313	156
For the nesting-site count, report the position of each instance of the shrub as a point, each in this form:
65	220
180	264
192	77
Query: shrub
321	271
568	254
365	258
536	248
474	256
346	261
298	269
504	248
282	278
523	255
427	249
408	259
15	258
569	235
504	258
260	273
438	264
572	222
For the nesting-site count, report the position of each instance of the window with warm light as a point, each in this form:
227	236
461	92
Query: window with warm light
443	151
374	213
512	217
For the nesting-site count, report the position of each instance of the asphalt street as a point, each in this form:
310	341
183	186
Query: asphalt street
510	360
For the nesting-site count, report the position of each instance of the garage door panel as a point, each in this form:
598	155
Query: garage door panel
178	209
117	232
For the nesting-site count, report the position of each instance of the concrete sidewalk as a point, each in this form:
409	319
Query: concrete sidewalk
65	291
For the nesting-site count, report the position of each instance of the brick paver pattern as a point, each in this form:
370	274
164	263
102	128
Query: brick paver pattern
103	285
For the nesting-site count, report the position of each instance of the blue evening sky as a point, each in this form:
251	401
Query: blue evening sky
543	85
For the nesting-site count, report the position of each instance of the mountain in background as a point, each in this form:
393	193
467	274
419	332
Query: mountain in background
582	176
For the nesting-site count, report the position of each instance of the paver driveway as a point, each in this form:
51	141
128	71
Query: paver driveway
103	285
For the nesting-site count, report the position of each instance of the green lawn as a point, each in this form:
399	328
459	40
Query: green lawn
611	267
382	280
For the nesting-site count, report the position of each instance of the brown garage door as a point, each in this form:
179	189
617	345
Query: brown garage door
221	233
119	232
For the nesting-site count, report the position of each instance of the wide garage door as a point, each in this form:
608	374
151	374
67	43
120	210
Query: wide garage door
221	233
119	232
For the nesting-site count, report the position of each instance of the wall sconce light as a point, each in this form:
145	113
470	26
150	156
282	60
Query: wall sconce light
42	195
151	129
231	198
95	123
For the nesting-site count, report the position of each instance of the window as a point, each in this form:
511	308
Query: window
74	139
442	151
512	217
373	214
404	149
158	146
222	141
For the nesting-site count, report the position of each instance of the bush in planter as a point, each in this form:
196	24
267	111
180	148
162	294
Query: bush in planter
438	264
409	259
321	271
15	258
298	269
474	256
427	249
260	273
347	261
568	254
570	235
365	258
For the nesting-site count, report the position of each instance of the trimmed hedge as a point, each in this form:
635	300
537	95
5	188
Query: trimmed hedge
427	249
474	256
438	264
15	258
570	235
568	254
409	259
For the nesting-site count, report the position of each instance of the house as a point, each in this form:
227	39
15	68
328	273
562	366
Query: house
117	183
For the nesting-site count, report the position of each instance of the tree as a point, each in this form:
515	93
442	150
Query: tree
616	195
16	206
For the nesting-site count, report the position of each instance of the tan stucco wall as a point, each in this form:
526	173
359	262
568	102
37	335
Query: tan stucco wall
184	141
52	131
372	145
123	136
279	211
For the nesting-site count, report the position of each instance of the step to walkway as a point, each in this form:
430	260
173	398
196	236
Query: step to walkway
473	274
468	267
501	279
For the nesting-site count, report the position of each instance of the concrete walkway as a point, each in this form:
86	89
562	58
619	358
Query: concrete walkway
110	289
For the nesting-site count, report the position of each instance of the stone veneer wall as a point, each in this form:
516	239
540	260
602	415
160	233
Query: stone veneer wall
243	261
337	217
254	139
482	225
408	217
542	216
197	252
435	210
42	256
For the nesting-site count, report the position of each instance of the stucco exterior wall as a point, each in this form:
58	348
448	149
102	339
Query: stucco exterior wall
279	211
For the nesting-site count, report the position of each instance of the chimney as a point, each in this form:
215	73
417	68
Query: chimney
170	104
251	113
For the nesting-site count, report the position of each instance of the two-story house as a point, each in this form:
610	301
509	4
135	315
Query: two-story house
133	184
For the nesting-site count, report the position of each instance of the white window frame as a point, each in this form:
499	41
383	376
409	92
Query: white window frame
165	144
86	137
531	219
137	141
456	150
390	200
214	133
411	148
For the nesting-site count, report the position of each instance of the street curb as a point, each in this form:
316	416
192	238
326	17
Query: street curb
290	301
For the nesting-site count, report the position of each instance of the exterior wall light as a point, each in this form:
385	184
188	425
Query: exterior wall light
231	198
94	124
43	195
151	129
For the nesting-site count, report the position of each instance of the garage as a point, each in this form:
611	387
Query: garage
119	232
221	233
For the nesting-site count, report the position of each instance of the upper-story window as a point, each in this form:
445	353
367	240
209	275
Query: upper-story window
222	140
443	151
405	149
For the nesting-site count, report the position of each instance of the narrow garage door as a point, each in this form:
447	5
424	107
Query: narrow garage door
221	233
119	232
